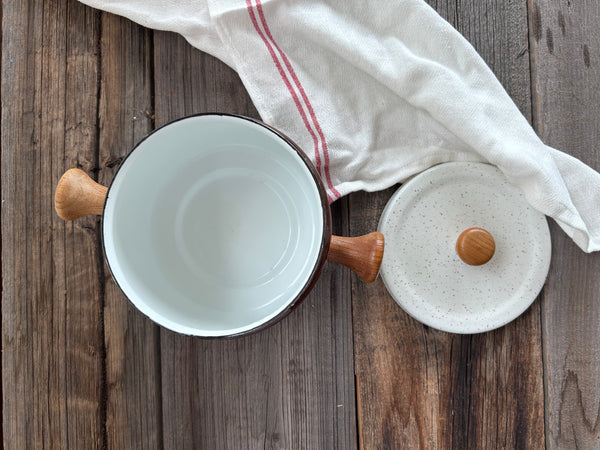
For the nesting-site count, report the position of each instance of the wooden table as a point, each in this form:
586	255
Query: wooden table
81	368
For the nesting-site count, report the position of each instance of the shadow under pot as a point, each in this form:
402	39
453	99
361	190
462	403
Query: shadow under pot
216	225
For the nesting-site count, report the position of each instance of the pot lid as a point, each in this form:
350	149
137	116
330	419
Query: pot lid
422	269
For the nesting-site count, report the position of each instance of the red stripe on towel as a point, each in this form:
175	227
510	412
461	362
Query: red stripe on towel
311	111
293	93
286	81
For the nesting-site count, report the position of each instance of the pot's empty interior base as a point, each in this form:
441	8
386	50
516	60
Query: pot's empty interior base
220	227
213	226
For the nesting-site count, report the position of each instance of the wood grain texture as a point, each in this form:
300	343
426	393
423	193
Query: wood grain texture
52	343
565	62
134	415
290	386
422	388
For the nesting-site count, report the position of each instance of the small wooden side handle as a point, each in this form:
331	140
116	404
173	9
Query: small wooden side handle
362	254
78	195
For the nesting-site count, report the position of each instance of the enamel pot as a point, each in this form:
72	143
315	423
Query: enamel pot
216	225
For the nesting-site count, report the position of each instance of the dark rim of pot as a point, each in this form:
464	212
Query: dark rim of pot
325	237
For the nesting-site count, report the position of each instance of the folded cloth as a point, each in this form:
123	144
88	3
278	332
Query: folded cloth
377	93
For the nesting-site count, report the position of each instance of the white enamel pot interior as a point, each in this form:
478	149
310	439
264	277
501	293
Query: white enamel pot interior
214	225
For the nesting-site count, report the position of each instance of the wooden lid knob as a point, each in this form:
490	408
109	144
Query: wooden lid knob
475	246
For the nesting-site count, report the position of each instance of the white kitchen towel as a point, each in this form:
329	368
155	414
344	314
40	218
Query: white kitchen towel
375	92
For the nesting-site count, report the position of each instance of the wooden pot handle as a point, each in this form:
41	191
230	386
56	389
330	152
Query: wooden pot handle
78	195
362	254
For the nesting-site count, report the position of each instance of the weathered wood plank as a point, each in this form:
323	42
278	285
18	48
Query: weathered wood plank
134	416
565	59
421	388
52	343
290	386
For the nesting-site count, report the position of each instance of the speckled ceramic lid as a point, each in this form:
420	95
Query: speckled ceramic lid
421	268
